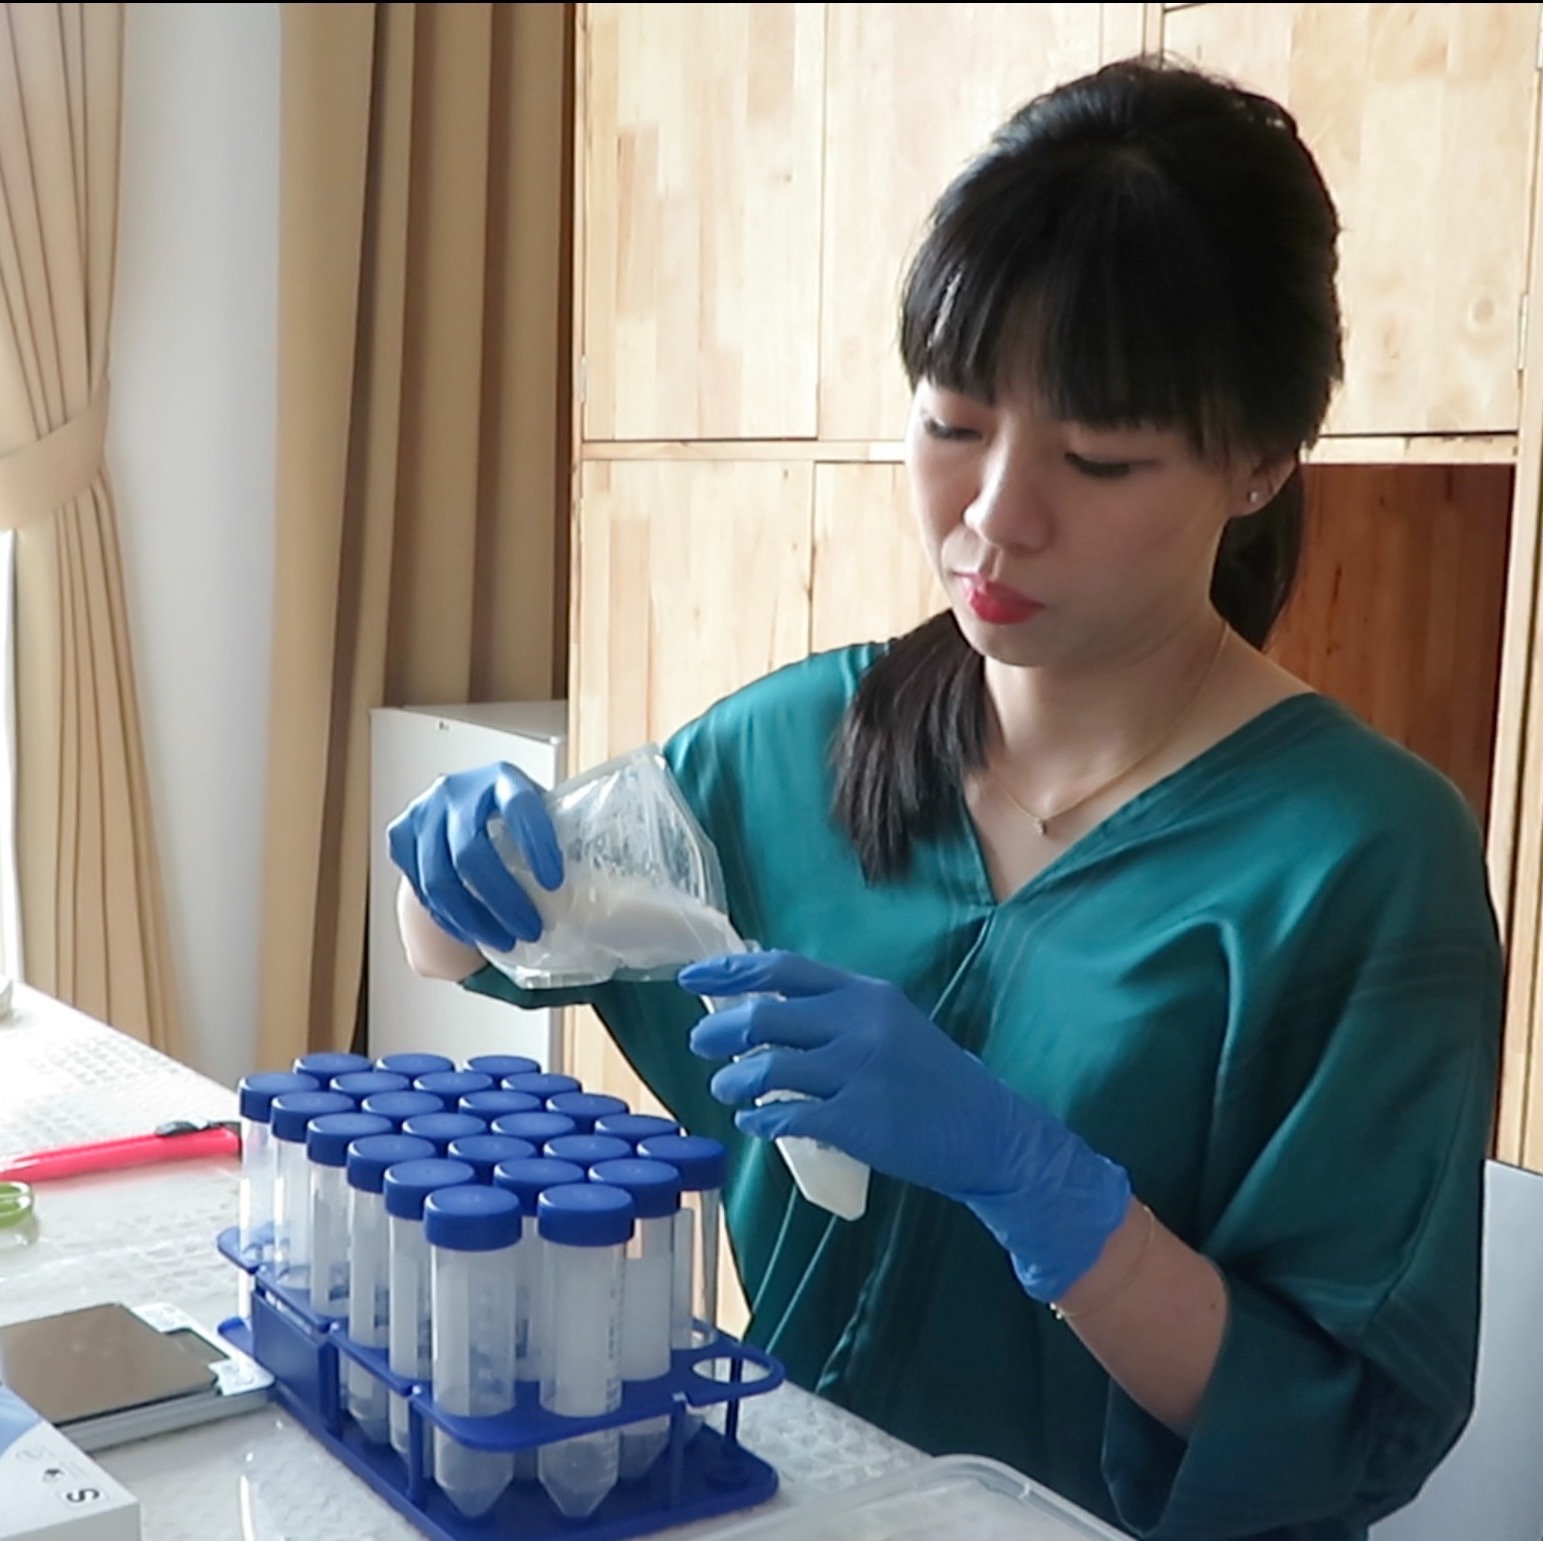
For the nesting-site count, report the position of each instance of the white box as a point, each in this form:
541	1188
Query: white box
409	747
50	1491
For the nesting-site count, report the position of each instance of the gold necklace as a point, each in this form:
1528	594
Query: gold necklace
1042	821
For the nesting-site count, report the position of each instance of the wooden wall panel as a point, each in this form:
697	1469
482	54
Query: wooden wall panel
1421	117
872	580
913	91
691	579
1399	610
701	217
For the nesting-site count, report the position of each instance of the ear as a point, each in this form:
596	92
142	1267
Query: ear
1260	485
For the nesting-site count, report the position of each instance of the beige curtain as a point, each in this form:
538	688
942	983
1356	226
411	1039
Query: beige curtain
93	914
422	431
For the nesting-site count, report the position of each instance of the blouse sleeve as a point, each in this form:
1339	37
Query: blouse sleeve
1352	1121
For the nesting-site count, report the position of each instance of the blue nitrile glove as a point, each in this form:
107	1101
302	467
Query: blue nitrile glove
892	1089
440	841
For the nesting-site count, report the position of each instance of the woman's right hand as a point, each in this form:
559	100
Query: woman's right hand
441	844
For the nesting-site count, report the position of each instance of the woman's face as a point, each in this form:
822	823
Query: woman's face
1062	544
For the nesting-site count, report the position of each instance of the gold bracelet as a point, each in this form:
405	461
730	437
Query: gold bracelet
1122	1286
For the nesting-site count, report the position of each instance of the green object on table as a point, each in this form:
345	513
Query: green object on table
15	1204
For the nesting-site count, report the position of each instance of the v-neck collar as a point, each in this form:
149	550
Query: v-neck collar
1130	819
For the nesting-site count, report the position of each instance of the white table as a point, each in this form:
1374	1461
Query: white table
148	1236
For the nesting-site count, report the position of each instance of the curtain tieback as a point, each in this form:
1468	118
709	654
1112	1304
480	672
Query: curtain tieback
41	477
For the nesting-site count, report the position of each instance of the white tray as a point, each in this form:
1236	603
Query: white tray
948	1496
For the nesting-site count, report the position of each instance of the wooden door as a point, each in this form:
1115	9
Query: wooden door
1422	121
700	220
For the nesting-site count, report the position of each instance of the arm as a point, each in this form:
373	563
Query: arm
1346	1160
430	951
881	1081
1153	1312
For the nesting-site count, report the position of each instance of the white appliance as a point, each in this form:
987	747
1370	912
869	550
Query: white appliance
409	747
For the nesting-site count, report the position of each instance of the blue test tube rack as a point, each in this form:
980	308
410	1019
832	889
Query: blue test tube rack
710	1473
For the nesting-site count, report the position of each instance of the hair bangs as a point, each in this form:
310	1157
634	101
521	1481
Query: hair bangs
1093	288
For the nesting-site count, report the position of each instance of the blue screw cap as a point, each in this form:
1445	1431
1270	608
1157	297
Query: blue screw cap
325	1064
585	1107
500	1065
654	1185
498	1104
587	1150
702	1163
400	1106
414	1065
538	1128
471	1219
633	1127
529	1178
483	1152
542	1084
292	1111
369	1083
442	1128
256	1092
585	1215
370	1159
408	1186
451	1085
327	1138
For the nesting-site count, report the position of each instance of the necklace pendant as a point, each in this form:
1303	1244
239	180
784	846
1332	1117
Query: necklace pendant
1040	822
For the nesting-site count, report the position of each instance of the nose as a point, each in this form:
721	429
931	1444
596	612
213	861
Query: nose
1010	508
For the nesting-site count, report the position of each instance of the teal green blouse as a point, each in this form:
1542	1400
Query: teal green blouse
1269	987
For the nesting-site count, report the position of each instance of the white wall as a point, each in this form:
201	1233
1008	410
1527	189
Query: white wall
191	451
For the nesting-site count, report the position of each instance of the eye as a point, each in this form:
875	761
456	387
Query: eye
1100	470
948	433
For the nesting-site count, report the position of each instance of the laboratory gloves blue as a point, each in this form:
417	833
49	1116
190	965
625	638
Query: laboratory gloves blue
441	843
881	1081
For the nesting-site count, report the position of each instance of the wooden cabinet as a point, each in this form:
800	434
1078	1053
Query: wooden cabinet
700	205
911	93
1422	120
751	182
1399	607
690	578
870	579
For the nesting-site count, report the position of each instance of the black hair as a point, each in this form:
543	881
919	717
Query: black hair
1148	245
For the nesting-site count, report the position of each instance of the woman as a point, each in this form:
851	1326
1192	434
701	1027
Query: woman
1157	987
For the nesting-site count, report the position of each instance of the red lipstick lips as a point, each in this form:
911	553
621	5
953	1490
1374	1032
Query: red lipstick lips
995	603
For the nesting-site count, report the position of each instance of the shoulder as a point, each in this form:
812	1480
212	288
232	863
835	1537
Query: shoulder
1335	780
1388	791
791	711
821	684
757	770
1363	839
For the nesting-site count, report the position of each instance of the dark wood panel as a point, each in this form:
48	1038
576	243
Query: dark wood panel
1399	609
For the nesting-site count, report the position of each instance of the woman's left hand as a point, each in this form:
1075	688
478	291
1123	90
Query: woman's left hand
878	1079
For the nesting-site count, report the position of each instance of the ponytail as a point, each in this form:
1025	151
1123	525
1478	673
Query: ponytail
915	727
1256	567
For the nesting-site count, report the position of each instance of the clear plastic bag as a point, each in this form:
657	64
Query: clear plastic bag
642	891
642	895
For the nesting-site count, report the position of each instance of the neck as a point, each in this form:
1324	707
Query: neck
1053	725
